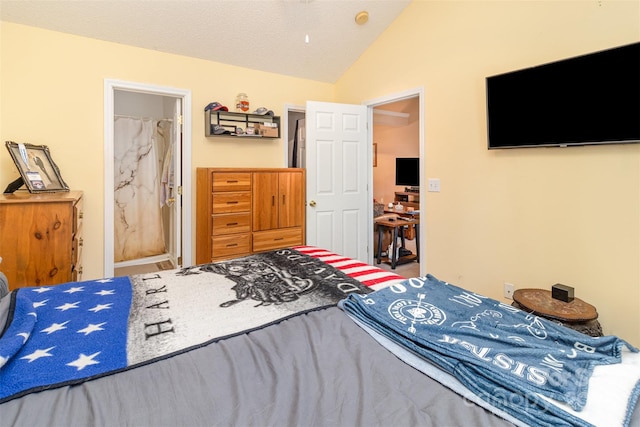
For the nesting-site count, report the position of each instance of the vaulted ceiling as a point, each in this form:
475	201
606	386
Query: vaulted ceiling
266	35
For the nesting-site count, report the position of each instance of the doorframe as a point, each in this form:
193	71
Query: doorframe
110	87
387	99
371	104
285	126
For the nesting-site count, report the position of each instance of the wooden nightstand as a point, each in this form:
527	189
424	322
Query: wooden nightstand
576	314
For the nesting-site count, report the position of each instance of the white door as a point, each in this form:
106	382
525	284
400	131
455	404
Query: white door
337	166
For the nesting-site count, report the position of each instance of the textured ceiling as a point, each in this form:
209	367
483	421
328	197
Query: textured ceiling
266	35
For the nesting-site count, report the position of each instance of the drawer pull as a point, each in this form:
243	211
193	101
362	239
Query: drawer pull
231	245
273	200
234	202
229	224
279	238
234	181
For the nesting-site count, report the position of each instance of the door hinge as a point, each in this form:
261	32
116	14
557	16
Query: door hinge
179	190
180	119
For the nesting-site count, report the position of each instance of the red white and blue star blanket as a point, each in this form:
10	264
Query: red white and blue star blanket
66	334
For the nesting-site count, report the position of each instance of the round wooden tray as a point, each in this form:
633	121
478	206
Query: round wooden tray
540	302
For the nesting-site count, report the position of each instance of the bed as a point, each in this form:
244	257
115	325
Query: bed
280	340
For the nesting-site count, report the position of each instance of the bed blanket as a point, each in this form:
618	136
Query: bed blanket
66	334
513	360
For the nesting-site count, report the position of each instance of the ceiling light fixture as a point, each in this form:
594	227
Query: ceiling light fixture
362	17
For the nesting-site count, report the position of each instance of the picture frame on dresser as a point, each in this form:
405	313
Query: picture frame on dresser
37	169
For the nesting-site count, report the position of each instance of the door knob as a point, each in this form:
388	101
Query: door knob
312	203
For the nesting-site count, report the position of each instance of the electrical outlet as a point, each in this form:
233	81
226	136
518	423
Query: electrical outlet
508	290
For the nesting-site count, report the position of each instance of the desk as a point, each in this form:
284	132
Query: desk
395	225
577	314
408	198
404	212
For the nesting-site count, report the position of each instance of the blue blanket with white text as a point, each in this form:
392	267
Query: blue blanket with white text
506	356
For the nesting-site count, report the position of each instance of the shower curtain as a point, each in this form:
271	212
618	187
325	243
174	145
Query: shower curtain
139	148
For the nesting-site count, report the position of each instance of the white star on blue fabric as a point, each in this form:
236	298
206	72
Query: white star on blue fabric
70	331
101	307
55	327
92	328
38	354
40	303
68	306
83	361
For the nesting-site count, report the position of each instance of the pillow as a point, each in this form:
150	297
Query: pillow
4	285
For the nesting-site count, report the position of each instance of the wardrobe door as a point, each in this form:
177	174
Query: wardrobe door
290	199
265	201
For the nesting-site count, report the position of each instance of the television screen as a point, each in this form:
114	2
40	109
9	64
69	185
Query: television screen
590	99
408	171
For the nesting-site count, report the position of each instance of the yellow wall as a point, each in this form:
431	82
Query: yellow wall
395	141
532	217
52	93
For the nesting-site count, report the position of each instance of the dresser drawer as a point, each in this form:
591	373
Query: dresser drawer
231	223
230	246
231	202
231	181
275	239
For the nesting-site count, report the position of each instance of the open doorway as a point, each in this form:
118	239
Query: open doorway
415	96
396	175
146	147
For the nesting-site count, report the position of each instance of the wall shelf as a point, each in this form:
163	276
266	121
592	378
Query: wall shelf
230	121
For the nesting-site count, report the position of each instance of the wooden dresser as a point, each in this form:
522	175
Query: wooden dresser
243	211
41	238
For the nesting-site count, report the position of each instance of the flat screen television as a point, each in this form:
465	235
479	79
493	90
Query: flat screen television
589	99
408	171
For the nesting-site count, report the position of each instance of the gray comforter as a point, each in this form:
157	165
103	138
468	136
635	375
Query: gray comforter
316	369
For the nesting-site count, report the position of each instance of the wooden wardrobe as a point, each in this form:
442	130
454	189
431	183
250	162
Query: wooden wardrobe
243	211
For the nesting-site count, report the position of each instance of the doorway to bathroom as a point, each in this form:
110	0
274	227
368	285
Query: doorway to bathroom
144	199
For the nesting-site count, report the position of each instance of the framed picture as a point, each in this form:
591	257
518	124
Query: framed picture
37	169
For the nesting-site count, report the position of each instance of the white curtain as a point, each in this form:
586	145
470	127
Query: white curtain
137	218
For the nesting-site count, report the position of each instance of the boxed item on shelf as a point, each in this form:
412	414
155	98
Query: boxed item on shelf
266	129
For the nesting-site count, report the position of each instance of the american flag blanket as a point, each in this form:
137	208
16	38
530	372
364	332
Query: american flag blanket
69	333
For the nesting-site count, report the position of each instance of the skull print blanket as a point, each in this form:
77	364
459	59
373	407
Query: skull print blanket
533	369
65	334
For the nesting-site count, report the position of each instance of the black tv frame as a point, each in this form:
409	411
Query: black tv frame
585	100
